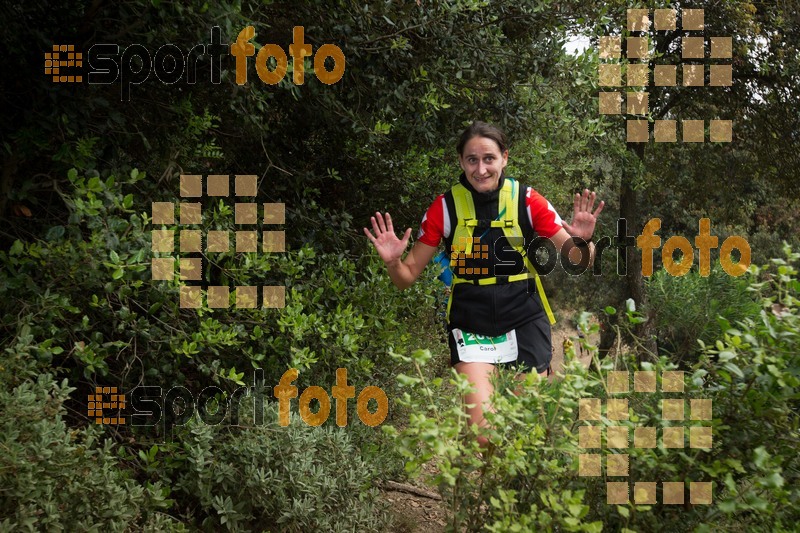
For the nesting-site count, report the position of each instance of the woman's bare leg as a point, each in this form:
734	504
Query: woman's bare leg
479	375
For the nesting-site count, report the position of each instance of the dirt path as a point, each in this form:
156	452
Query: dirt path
419	514
563	331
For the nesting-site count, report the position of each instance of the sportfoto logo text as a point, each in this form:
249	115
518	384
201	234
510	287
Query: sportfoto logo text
134	64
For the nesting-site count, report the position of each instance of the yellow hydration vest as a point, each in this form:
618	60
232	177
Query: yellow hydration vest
507	219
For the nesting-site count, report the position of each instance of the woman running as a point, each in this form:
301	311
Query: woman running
491	226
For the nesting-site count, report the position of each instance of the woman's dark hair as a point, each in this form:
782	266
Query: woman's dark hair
482	129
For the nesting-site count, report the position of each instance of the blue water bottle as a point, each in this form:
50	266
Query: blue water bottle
446	275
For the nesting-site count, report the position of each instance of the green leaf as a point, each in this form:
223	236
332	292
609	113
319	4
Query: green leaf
421	356
55	233
758	503
594	527
728	506
774	480
760	456
118	273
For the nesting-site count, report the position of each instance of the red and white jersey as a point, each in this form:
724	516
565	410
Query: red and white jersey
436	222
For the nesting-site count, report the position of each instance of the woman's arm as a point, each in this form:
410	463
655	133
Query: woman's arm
564	243
390	248
405	273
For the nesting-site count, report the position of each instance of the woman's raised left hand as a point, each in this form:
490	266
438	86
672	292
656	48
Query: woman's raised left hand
583	219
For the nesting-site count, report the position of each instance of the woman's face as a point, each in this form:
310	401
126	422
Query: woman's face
483	163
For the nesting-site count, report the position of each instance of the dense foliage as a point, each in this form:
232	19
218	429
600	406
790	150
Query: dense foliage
530	476
82	164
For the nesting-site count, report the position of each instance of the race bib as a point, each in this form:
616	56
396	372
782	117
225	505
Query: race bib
473	348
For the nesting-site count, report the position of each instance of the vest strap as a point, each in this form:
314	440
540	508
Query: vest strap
507	219
495	280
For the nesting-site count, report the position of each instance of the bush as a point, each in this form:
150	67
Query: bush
692	307
529	476
294	478
58	479
80	303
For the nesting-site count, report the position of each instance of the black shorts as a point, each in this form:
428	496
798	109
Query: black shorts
534	345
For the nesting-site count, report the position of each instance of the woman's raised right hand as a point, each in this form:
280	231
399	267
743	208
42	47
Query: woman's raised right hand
389	247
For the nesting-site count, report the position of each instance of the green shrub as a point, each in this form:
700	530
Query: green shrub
692	307
527	479
86	296
753	375
59	479
294	478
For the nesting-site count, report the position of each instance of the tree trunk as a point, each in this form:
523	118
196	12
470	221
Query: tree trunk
634	285
6	180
